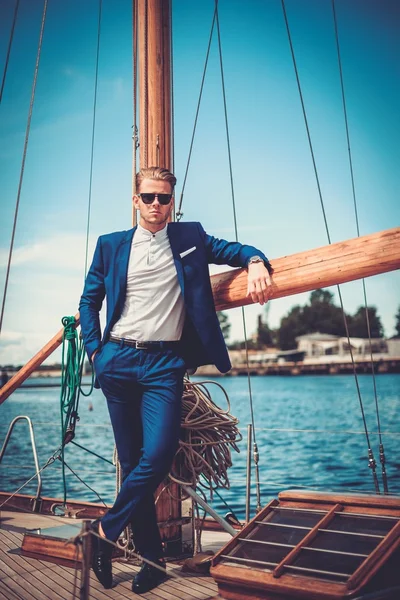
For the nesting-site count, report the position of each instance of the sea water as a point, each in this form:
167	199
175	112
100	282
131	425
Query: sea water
309	430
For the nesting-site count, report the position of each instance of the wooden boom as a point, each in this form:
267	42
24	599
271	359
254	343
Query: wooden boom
318	268
302	272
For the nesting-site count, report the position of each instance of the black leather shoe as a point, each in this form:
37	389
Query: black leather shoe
101	558
148	578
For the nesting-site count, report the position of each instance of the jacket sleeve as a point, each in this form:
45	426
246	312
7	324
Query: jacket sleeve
234	254
91	302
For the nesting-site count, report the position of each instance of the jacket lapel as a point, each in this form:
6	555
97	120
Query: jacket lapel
122	261
174	243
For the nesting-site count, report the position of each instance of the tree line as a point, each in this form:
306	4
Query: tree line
319	314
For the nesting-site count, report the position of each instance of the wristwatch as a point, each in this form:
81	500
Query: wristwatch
254	259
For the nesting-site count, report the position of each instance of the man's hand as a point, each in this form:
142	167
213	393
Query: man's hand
258	282
93	355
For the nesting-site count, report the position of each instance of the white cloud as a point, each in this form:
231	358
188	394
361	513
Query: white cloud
119	88
61	251
11	338
69	72
20	351
46	281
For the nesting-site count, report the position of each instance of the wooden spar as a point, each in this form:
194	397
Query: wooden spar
322	267
35	362
305	271
155	110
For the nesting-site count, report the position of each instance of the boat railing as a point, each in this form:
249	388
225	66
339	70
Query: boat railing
37	499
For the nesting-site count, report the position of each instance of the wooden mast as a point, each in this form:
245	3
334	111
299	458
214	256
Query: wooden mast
155	149
155	111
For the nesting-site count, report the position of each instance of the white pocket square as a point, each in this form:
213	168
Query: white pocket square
186	252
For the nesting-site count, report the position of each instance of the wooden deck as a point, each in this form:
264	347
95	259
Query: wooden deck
23	578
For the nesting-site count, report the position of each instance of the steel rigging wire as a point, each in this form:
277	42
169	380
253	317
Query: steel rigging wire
255	446
371	459
381	449
21	176
179	213
10	41
93	135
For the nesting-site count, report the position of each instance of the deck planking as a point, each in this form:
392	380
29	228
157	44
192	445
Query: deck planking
23	578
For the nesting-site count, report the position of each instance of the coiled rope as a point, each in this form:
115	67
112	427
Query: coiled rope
208	435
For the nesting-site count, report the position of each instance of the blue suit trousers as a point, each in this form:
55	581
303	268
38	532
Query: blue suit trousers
143	389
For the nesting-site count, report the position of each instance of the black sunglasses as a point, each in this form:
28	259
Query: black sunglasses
162	198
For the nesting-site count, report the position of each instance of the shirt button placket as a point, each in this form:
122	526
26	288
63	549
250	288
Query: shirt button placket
150	258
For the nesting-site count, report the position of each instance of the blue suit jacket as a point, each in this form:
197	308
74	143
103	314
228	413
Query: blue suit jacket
202	339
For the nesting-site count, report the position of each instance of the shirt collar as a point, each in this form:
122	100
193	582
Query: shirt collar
143	233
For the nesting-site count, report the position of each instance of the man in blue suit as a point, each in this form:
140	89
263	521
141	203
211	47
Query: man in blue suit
161	321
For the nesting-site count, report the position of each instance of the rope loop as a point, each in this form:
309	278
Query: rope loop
69	328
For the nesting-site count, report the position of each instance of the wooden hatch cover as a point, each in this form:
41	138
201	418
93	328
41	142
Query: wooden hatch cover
313	546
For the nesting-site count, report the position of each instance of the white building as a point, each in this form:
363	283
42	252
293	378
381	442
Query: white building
325	344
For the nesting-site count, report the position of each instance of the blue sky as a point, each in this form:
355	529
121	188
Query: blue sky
277	200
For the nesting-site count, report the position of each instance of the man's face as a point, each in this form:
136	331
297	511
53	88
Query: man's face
155	215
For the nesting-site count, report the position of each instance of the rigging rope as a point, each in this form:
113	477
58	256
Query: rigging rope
381	449
50	461
21	176
91	452
371	459
93	131
10	41
82	481
215	491
179	213
255	446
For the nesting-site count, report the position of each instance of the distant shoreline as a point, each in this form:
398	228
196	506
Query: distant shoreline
318	367
382	365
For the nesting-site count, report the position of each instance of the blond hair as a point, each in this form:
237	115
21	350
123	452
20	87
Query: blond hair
155	173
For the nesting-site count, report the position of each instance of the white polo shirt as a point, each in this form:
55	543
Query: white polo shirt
154	309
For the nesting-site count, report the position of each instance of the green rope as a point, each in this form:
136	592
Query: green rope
73	356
